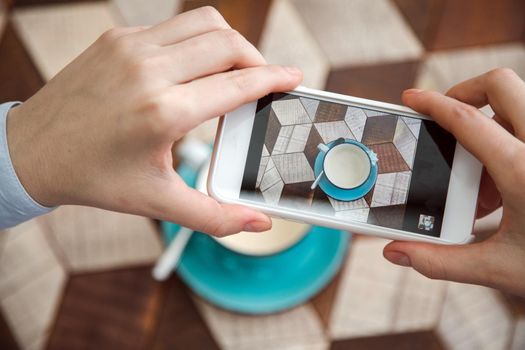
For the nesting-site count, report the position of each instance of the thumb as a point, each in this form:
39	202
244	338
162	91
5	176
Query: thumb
193	209
461	263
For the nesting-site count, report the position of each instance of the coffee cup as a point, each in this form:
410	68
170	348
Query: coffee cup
347	163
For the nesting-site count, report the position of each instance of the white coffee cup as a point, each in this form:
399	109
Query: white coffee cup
346	165
283	234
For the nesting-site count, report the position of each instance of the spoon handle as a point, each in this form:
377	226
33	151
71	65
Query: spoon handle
316	182
171	256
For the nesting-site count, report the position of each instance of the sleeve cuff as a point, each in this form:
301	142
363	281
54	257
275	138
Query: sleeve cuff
16	205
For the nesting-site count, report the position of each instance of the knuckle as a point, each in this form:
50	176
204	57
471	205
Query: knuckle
500	74
213	17
140	68
277	70
464	111
123	46
233	40
155	116
111	35
241	81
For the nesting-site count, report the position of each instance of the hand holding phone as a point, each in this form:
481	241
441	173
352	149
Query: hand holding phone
106	124
499	260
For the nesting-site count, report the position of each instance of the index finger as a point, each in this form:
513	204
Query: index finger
480	135
218	94
502	89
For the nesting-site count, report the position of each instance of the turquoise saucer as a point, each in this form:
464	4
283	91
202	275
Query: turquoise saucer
258	284
339	193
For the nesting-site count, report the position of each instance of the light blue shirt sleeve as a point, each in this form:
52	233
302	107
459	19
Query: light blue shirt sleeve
16	205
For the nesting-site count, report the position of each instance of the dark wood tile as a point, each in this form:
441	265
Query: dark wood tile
379	129
321	203
19	78
246	16
382	82
330	112
272	131
445	24
422	16
369	195
297	195
405	341
7	339
180	325
389	158
389	216
109	310
324	301
516	304
20	3
310	150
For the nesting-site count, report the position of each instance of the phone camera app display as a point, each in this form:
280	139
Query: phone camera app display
348	162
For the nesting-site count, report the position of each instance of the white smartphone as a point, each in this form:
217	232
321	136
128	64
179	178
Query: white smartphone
349	163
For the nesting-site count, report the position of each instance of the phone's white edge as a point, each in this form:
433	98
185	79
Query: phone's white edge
464	163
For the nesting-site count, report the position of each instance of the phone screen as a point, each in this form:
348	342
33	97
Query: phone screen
349	162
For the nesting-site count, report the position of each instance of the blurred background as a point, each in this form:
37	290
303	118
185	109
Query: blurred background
79	278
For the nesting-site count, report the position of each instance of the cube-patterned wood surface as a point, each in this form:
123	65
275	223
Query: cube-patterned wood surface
79	278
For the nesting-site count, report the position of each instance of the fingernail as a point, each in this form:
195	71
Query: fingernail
398	258
412	91
293	70
257	226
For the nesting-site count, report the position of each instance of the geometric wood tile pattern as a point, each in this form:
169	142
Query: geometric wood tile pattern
79	278
297	126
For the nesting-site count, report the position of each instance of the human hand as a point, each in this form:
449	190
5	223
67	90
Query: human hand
499	260
100	133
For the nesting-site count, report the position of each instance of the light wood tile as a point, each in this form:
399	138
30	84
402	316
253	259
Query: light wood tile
442	70
94	239
262	169
293	167
474	318
420	303
331	131
383	190
405	141
343	205
360	215
414	125
271	176
518	341
290	112
299	328
31	309
310	105
355	118
285	40
366	301
272	194
55	34
139	12
344	30
292	139
285	133
26	255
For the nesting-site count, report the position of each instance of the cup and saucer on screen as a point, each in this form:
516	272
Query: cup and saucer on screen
345	169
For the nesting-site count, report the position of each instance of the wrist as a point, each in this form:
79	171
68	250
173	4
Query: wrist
27	157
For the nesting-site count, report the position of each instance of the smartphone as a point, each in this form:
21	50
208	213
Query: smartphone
348	163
